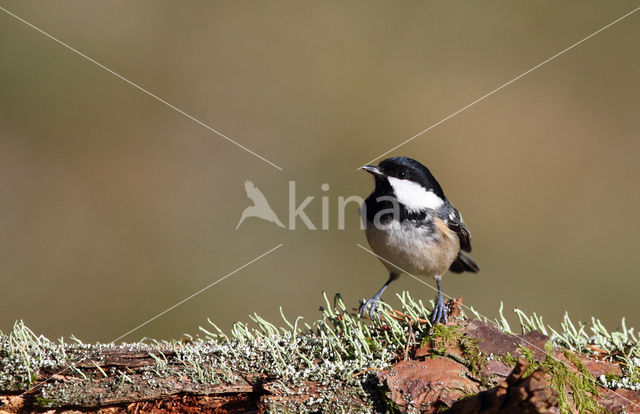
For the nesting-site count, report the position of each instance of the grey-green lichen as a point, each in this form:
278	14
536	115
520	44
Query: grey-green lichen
589	338
321	361
23	354
328	365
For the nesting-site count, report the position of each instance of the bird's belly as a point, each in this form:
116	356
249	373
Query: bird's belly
415	250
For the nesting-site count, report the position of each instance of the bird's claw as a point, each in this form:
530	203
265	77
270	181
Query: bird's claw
439	311
372	304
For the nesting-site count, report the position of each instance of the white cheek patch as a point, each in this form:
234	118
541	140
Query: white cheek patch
414	196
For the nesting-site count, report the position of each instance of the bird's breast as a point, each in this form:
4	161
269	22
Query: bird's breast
427	248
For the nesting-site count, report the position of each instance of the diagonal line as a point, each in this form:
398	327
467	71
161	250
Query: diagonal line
503	86
135	85
41	383
488	320
196	293
403	271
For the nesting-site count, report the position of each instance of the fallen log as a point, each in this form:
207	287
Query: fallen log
397	363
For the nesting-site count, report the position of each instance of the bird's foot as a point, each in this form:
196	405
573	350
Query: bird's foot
372	304
439	311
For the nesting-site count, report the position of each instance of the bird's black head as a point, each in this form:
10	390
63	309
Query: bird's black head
404	169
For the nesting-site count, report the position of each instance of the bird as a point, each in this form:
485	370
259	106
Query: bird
260	207
413	228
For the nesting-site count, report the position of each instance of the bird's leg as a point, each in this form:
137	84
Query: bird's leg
372	303
439	310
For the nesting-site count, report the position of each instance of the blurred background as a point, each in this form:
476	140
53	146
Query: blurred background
113	207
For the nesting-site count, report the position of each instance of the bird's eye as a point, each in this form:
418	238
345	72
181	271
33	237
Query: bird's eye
402	174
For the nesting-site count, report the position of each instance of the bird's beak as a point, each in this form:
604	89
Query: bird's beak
373	170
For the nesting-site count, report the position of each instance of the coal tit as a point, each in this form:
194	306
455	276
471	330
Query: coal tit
410	223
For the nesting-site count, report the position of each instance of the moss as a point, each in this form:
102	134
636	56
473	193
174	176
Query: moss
476	359
610	376
371	343
441	338
581	384
341	351
529	355
45	402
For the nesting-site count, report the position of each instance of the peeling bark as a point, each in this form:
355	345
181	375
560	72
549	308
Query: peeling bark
440	377
516	394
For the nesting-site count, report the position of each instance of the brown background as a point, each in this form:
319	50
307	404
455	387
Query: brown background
114	207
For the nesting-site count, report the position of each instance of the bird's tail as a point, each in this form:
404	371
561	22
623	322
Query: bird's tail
277	220
464	263
242	217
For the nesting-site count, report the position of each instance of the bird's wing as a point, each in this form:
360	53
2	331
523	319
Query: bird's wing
254	194
454	221
249	187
